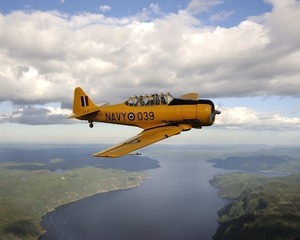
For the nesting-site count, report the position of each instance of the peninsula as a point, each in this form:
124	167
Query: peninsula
34	182
263	207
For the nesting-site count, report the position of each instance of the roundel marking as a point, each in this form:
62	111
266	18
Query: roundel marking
131	116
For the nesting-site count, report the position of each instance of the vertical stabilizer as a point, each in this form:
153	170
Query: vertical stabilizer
82	104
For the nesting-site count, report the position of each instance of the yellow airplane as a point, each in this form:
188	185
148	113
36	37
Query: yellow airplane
160	115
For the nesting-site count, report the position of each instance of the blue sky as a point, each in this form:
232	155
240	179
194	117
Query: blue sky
244	55
236	9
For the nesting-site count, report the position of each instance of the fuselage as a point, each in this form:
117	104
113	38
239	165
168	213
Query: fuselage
195	113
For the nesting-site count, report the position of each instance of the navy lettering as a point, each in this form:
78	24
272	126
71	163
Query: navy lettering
141	116
113	117
107	116
123	115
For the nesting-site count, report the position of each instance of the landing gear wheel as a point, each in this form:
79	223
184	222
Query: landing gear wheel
91	125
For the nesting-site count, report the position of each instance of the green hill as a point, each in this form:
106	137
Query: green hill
28	195
263	207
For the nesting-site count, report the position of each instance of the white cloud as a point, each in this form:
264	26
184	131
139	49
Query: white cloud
247	118
104	8
199	6
45	55
37	115
149	13
221	16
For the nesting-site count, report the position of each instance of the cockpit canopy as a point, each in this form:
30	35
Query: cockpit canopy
150	100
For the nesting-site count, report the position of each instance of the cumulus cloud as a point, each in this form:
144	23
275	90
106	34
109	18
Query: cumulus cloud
45	55
37	115
199	6
247	118
104	8
221	16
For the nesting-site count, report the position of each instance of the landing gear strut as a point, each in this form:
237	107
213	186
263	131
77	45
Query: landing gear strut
91	125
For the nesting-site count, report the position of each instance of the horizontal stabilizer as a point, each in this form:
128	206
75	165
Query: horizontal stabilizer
85	112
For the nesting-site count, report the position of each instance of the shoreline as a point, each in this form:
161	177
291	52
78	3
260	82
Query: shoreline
46	191
253	212
88	196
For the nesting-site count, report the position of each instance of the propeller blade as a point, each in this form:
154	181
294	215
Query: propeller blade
213	115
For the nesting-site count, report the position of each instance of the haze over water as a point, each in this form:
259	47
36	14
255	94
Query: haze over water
175	202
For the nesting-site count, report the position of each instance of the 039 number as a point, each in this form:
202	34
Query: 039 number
145	116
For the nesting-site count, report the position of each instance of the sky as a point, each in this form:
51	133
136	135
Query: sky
243	55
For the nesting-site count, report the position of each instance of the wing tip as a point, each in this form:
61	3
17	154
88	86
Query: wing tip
114	156
104	155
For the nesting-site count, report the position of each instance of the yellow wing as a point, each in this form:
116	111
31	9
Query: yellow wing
143	139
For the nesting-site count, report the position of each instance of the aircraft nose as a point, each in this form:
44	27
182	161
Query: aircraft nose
206	112
213	114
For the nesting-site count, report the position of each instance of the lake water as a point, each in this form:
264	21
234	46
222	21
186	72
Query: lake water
175	202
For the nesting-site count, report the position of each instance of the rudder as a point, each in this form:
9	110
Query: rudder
82	104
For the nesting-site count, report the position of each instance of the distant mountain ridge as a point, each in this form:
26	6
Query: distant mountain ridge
254	163
249	163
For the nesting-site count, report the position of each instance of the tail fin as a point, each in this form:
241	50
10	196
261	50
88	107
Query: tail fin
82	104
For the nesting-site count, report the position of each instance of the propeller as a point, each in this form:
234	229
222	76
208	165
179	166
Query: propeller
213	115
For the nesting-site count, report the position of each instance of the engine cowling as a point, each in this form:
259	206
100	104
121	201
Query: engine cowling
206	112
